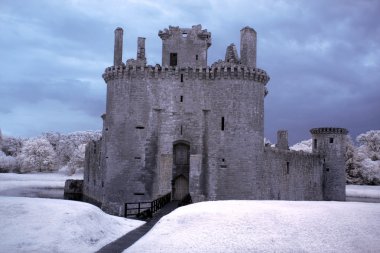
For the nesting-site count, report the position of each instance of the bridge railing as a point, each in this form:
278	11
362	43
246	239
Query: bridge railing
146	209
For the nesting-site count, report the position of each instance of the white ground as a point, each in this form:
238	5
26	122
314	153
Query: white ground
45	225
49	225
266	226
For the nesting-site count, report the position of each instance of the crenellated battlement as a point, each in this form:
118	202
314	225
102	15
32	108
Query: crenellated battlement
329	130
195	31
219	70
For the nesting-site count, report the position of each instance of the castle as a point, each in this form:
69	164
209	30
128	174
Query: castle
187	128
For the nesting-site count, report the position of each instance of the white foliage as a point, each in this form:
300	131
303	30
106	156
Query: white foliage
11	146
371	141
368	156
7	163
67	145
37	154
76	163
305	146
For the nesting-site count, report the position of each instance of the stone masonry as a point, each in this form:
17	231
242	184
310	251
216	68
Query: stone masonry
189	128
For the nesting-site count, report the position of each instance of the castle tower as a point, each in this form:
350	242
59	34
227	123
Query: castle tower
282	139
125	130
185	47
330	143
118	49
248	38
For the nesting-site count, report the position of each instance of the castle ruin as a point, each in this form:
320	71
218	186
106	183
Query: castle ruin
189	128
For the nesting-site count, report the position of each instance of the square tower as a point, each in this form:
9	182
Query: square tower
185	47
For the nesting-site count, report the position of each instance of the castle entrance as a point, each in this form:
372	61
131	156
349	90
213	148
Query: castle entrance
181	165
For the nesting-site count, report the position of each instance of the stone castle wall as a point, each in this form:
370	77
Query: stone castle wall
93	176
292	175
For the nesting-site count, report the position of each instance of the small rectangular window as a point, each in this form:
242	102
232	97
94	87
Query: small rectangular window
140	127
222	126
331	140
181	98
287	167
181	130
181	78
315	143
196	57
173	59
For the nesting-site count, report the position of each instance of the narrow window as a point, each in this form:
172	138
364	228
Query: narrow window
137	157
181	78
102	183
222	124
140	127
139	193
287	168
331	140
315	143
181	130
181	98
196	57
173	59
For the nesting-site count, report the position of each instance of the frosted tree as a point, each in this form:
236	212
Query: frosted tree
353	172
305	146
76	163
368	156
68	144
8	163
11	146
37	154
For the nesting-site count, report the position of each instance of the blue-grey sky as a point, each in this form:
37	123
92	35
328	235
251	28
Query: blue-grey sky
323	58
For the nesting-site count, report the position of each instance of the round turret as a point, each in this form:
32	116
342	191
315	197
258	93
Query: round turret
330	143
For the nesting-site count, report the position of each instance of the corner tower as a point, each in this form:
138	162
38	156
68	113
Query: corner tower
330	142
185	47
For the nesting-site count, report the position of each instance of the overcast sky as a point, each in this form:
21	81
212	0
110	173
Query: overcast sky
323	58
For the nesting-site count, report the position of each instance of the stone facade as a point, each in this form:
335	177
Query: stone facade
189	128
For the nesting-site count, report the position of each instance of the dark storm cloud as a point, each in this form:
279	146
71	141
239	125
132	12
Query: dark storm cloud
322	56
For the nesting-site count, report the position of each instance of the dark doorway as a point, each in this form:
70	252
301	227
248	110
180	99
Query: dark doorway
173	59
181	164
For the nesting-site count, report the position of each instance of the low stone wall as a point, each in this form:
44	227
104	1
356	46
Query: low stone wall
73	189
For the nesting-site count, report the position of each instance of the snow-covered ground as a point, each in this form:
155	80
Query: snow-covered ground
266	226
51	225
46	225
363	191
34	184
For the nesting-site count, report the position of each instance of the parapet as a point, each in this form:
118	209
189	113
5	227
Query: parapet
328	130
219	70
